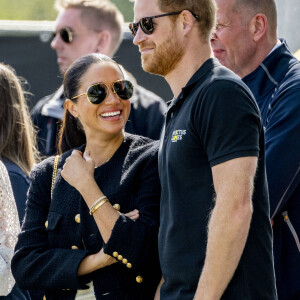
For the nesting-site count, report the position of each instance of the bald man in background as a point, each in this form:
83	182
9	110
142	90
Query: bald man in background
245	41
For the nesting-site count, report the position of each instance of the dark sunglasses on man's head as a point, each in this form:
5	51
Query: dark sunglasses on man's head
147	24
65	34
97	92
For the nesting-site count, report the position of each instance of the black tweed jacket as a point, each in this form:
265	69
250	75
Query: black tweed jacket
58	234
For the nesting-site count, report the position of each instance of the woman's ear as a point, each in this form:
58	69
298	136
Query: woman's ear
71	107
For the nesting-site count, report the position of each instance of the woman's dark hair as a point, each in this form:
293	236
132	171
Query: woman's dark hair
71	134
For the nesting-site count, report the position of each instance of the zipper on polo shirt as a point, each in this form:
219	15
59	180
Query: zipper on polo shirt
291	227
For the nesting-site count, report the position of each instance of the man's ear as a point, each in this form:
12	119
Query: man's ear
71	107
258	26
104	42
188	21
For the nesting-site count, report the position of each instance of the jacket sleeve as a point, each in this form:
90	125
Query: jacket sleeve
282	144
135	242
35	265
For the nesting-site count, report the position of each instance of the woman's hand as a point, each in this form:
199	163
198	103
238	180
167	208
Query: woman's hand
133	215
95	262
78	171
104	260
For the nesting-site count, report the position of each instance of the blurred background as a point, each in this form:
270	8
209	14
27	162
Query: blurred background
40	10
25	33
26	28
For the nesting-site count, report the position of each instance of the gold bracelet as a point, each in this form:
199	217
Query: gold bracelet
98	204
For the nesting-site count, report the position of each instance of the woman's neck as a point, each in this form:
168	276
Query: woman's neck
102	150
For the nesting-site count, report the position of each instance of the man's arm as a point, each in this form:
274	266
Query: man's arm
228	226
157	293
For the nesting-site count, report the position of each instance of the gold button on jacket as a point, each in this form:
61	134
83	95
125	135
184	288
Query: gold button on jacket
117	206
115	254
129	265
46	224
74	247
139	279
77	218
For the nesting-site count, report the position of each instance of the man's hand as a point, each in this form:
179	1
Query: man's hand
157	293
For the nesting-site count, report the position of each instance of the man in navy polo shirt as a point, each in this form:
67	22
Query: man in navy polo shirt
215	239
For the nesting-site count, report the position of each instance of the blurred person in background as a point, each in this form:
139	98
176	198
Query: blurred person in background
245	41
18	149
83	27
9	229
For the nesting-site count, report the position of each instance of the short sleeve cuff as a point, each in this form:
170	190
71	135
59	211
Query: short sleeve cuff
230	156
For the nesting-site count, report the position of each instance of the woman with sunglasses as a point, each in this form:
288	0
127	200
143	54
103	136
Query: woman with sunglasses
101	222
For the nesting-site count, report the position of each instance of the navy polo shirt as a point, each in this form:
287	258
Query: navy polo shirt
214	119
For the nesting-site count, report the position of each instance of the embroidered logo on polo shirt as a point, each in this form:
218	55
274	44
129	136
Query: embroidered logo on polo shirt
177	135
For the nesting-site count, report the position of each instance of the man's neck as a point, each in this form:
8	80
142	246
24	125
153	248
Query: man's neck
192	60
262	52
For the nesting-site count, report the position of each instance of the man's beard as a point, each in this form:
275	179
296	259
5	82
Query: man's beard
164	58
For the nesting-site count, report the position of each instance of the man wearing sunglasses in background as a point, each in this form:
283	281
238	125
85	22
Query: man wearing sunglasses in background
215	238
85	27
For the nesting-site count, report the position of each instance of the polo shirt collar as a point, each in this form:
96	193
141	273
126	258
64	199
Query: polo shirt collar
198	75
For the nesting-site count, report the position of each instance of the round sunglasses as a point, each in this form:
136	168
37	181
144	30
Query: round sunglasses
147	24
98	92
